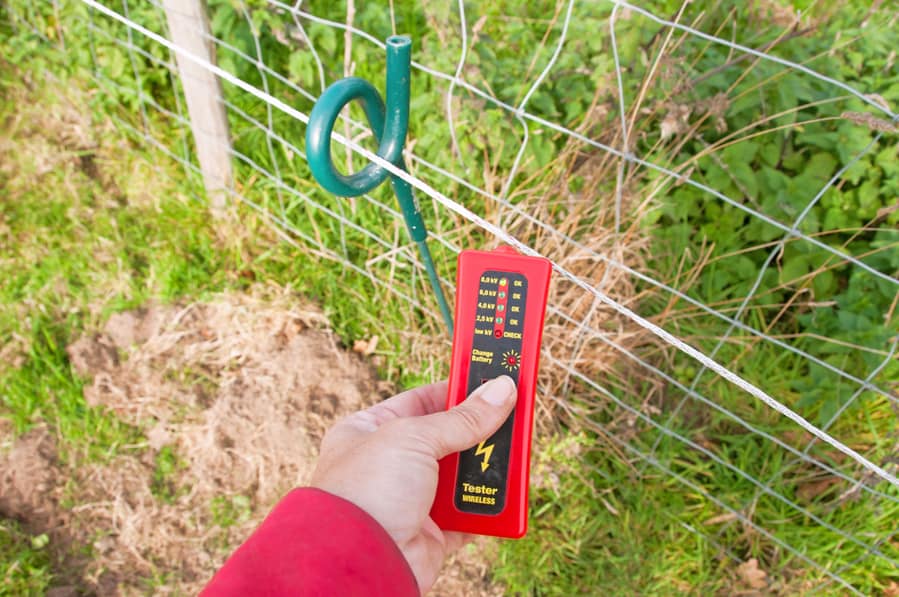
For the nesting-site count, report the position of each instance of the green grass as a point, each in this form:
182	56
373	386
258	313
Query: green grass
78	252
24	561
82	242
82	246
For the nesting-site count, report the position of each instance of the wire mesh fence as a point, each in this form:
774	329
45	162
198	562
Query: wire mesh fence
719	208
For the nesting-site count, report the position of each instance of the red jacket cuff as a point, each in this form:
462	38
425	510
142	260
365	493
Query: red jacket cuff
315	543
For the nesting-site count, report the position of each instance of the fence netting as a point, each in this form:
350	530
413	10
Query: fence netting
720	213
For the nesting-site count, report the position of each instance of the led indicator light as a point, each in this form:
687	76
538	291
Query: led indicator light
499	320
502	294
503	282
500	307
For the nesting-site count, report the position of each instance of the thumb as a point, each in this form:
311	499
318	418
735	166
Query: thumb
474	420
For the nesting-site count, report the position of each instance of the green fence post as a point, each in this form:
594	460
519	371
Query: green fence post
389	125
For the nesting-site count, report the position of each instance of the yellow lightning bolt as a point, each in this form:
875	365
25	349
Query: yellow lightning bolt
486	451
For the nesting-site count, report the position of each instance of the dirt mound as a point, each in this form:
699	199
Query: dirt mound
27	476
233	397
243	390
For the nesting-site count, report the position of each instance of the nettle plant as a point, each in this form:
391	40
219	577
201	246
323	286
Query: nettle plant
804	153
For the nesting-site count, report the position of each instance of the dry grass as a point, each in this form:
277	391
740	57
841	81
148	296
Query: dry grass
233	396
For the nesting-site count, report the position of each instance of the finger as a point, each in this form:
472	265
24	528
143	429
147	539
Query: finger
472	421
416	402
454	540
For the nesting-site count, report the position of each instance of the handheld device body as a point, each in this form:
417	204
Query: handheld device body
500	306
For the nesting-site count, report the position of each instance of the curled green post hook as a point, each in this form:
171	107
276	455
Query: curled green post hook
389	126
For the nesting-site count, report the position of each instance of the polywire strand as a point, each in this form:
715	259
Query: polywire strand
303	118
501	234
698	488
718	460
603	337
460	210
630	157
296	149
680	479
648	279
774	251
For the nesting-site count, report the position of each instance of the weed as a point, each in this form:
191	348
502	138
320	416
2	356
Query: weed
228	511
26	562
605	524
166	475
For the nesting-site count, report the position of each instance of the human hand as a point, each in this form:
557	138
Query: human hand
384	460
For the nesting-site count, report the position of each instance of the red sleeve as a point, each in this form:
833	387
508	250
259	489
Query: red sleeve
314	543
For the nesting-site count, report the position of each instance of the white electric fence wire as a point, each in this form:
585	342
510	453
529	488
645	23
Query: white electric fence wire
737	514
546	227
521	114
674	176
612	262
761	275
507	238
871	549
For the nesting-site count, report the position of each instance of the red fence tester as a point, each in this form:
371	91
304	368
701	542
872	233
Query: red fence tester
500	305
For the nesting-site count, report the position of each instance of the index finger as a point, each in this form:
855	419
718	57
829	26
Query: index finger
416	402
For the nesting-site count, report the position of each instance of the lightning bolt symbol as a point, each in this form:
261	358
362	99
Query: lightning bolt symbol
486	451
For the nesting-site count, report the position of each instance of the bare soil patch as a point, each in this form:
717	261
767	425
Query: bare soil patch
233	396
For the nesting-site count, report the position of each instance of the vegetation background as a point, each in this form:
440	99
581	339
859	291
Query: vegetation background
123	226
